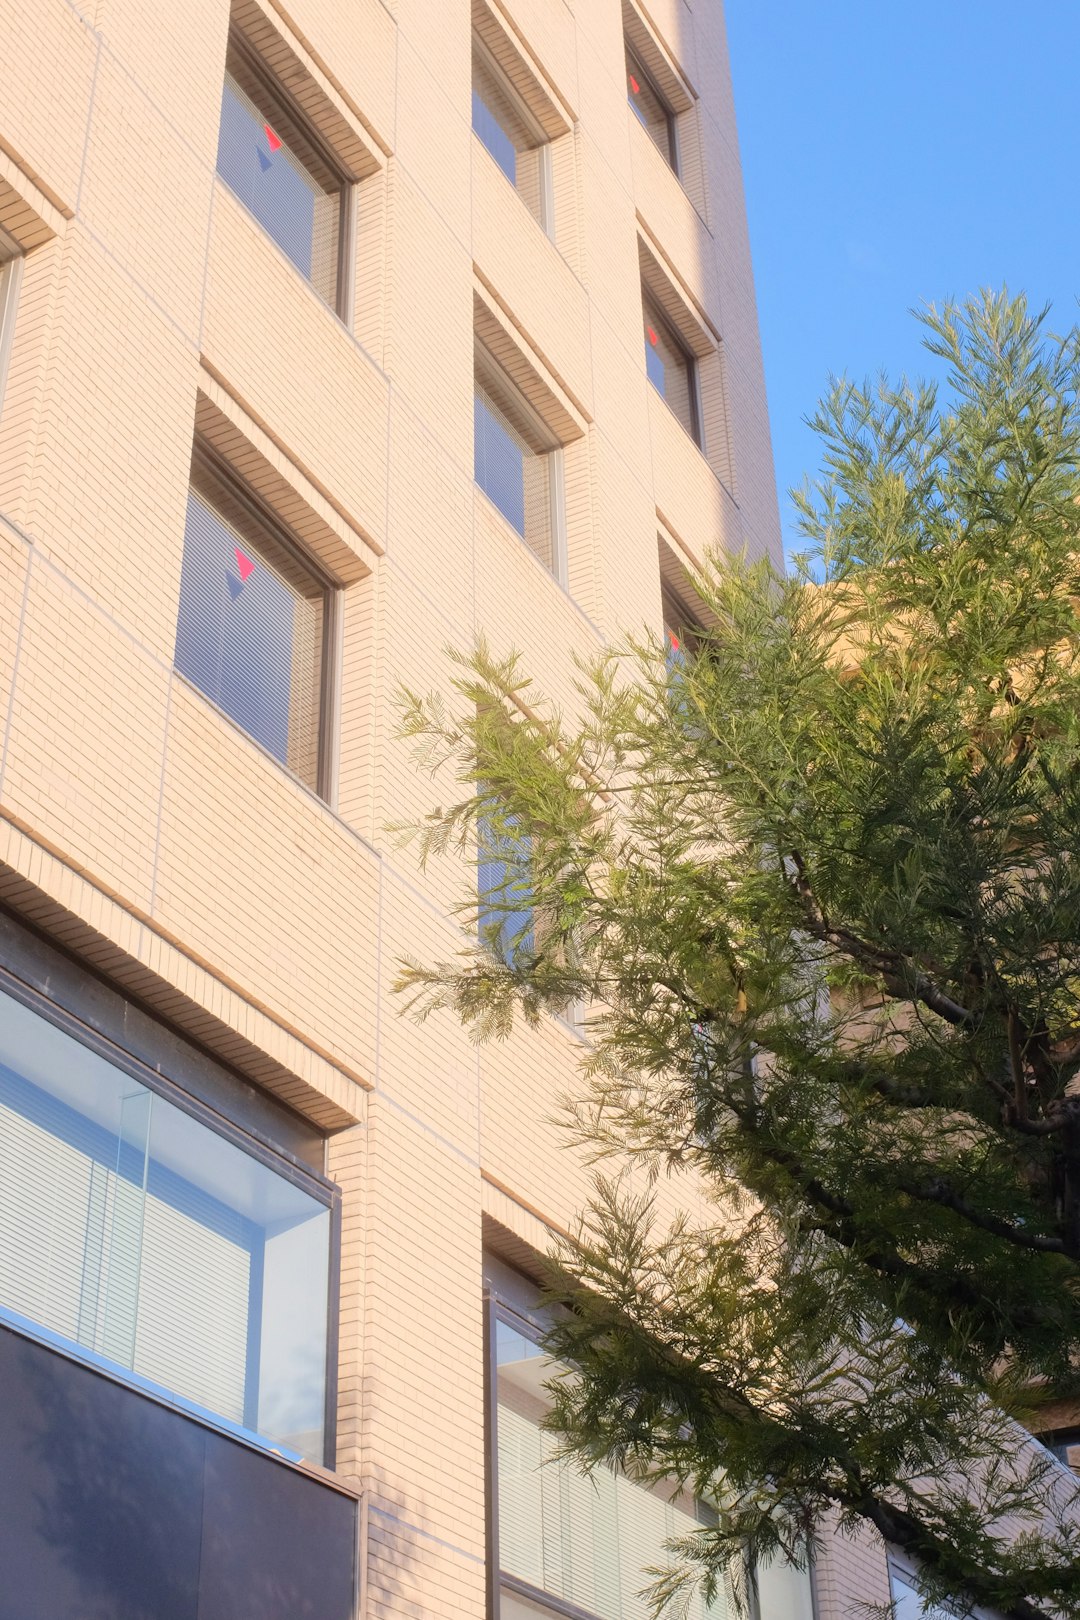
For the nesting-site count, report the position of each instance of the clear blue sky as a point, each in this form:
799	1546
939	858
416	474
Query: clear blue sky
896	151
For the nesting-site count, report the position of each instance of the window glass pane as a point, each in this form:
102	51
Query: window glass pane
499	123
669	368
250	626
588	1541
10	268
652	111
512	474
503	888
133	1230
264	159
783	1592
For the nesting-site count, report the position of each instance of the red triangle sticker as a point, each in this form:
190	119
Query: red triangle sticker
274	140
244	564
652	337
635	87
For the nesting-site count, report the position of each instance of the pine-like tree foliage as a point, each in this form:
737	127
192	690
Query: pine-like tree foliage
818	885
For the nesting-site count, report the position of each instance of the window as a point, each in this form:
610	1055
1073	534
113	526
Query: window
682	632
513	137
651	109
136	1231
504	913
253	625
564	1538
518	463
276	164
10	276
671	367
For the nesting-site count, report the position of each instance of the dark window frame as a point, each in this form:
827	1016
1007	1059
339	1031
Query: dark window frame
213	464
277	94
58	1001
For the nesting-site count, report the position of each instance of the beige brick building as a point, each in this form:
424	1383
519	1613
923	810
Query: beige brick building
454	312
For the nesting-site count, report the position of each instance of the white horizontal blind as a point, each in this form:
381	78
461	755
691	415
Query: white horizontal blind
587	1539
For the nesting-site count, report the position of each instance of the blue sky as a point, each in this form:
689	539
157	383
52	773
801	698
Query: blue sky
895	153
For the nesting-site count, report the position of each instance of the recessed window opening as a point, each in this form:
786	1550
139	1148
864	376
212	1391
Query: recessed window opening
671	367
253	629
564	1538
174	1248
11	264
505	919
514	139
518	462
682	632
651	109
274	161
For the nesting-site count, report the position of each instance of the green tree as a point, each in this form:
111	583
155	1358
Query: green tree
818	884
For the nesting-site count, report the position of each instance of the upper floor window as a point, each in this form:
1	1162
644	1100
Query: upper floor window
280	169
512	135
139	1228
253	625
671	367
10	276
651	109
518	462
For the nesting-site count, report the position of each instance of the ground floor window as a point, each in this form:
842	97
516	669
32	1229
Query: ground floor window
142	1231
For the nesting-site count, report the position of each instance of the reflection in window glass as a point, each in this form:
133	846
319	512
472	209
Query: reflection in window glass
10	273
265	158
650	107
250	629
587	1541
501	123
136	1232
670	368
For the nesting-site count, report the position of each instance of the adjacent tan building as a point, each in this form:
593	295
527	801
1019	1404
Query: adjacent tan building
333	333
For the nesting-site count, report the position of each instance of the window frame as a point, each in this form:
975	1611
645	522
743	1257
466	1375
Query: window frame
653	315
491	65
210	460
535	429
108	1013
671	117
277	93
11	270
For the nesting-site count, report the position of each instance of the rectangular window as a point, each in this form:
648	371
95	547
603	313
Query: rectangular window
136	1232
280	170
10	276
671	368
563	1537
518	463
651	109
252	630
505	915
514	139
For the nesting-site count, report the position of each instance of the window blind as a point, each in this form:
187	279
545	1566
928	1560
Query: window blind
587	1540
131	1229
505	917
250	628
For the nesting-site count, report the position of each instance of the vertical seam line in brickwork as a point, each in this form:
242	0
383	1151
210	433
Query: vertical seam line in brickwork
89	125
161	798
15	667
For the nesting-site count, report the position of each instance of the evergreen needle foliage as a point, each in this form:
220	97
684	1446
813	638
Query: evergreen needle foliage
818	884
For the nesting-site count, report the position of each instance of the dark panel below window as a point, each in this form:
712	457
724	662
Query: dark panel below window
113	1507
